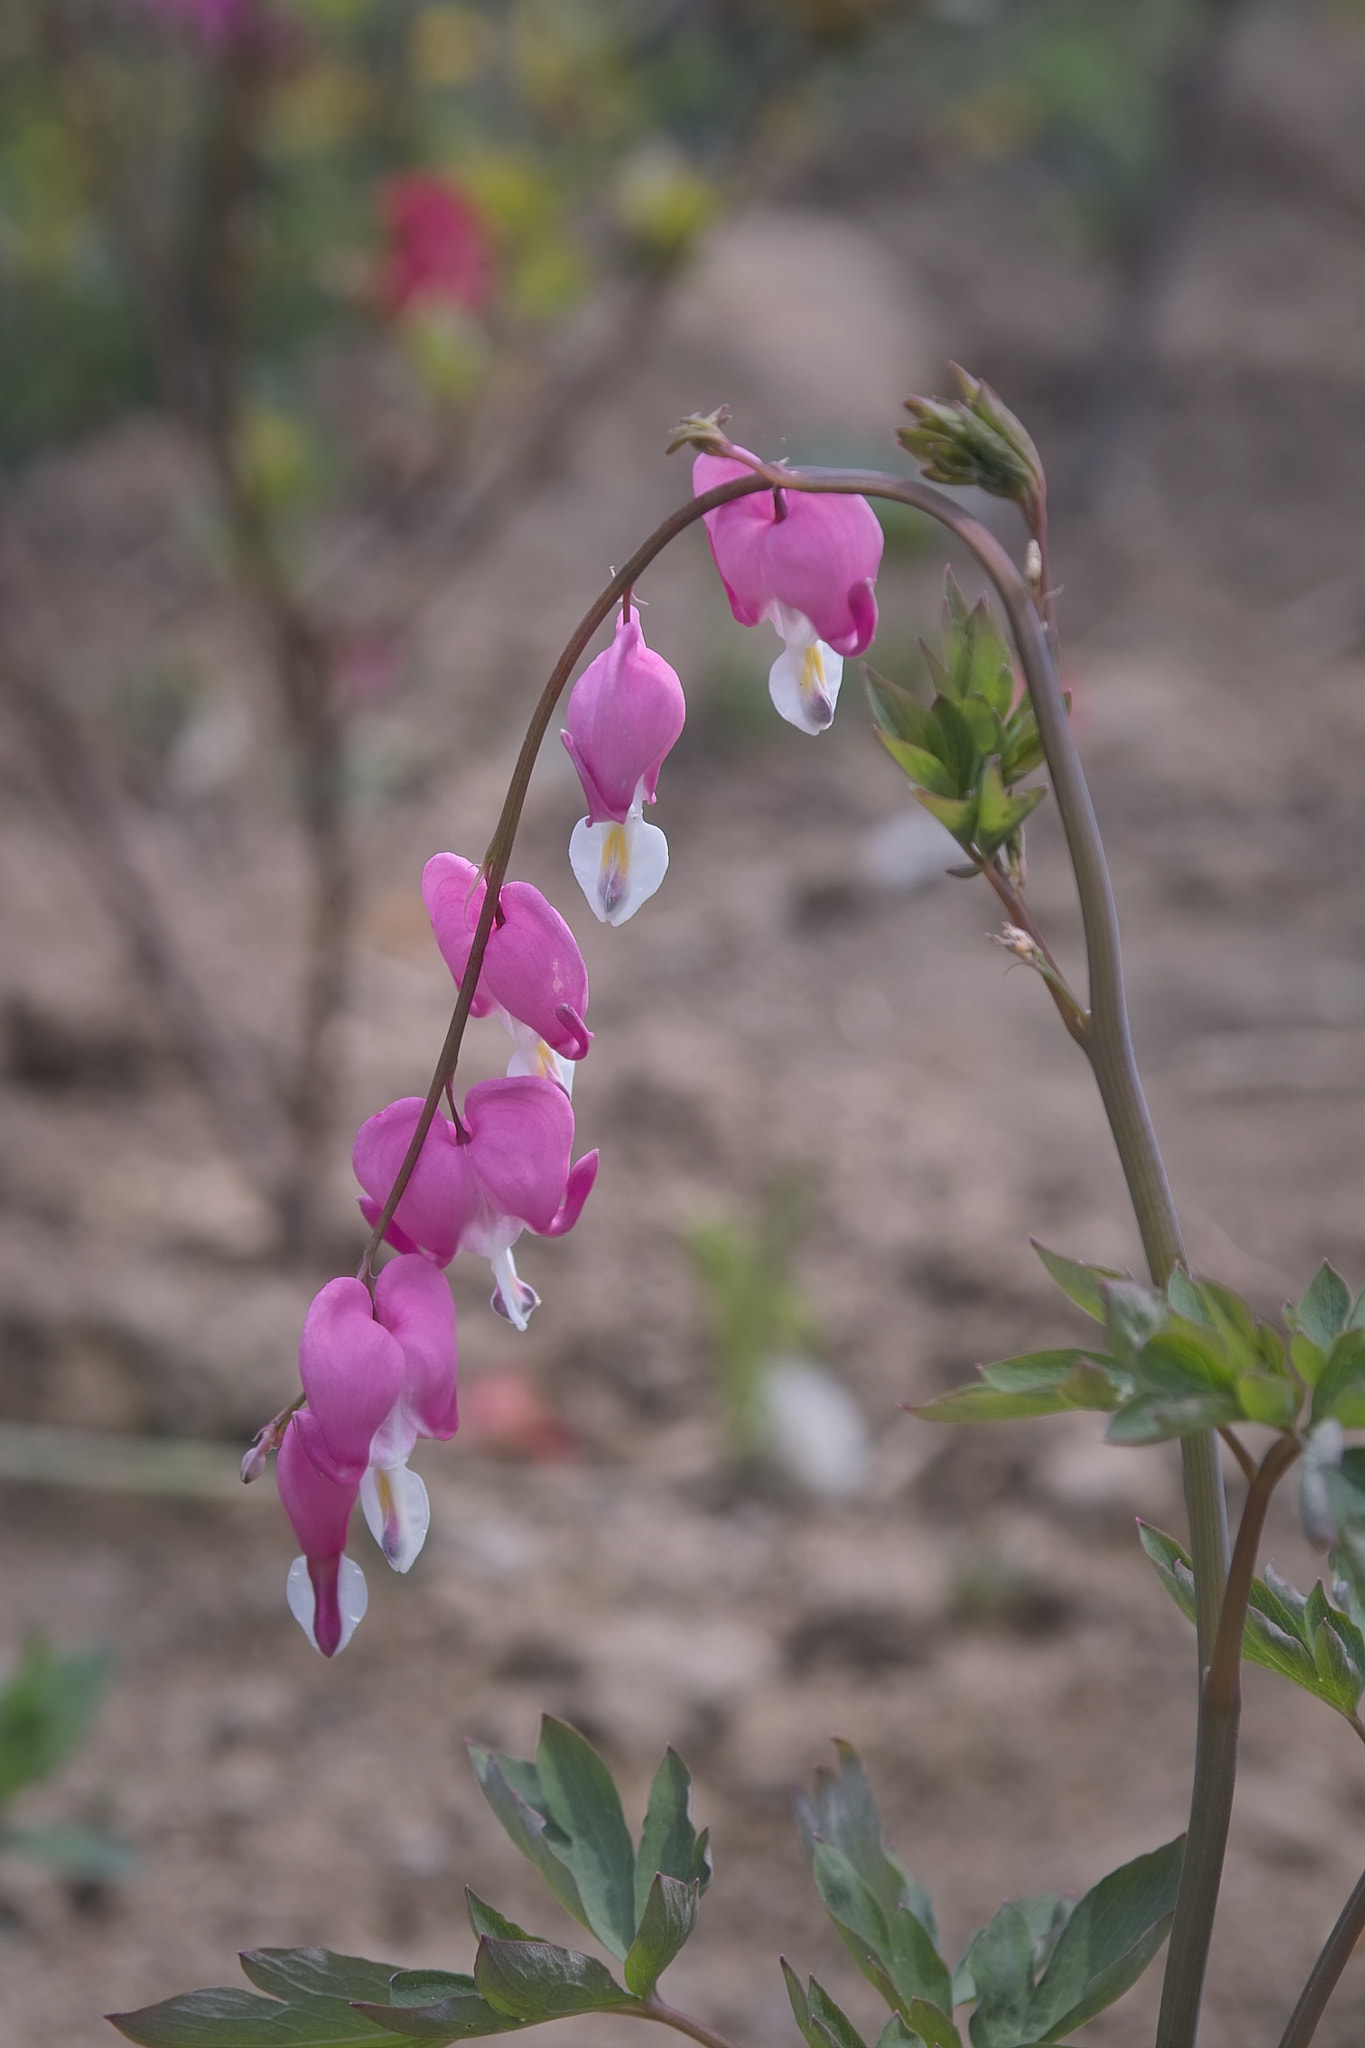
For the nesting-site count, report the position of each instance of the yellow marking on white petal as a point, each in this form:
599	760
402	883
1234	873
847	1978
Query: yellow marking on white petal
615	872
814	691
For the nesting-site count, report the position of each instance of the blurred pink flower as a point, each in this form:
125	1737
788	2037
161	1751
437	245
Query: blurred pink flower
809	572
213	22
437	249
625	713
506	1414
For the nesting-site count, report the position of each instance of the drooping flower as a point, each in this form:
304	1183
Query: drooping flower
532	977
807	562
625	712
437	247
377	1375
504	1168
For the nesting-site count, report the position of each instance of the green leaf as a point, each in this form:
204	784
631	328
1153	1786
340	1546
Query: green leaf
1132	1316
1183	1360
486	1919
1033	1371
217	2018
893	1950
668	1841
957	748
585	1805
1340	1392
46	1707
535	1980
898	713
991	1404
1185	1298
1266	1398
1001	1963
958	815
1107	1943
841	1810
1321	1313
896	2034
986	730
317	1988
301	1974
819	2019
75	1850
999	814
1157	1418
416	1988
934	2026
526	1820
1082	1283
922	767
668	1919
437	2005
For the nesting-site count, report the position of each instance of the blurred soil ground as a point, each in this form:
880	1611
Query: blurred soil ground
982	1625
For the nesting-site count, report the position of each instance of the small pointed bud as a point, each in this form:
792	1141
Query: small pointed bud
256	1462
976	440
704	431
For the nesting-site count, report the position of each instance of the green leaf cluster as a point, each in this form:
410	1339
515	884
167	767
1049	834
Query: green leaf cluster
564	1813
1039	1970
974	439
966	750
46	1709
1189	1358
1307	1638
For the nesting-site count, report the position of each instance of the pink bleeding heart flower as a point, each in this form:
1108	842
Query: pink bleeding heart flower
533	976
625	713
438	249
377	1375
504	1168
806	562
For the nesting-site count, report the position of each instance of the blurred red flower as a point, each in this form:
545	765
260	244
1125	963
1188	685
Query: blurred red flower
437	247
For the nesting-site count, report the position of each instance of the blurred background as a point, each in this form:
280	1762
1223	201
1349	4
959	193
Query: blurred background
339	342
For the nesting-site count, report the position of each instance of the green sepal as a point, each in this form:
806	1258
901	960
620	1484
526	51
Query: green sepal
668	1919
897	713
1079	1282
988	735
537	1980
957	748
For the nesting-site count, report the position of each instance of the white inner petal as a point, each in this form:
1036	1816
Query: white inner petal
353	1597
534	1056
513	1297
397	1512
804	683
618	866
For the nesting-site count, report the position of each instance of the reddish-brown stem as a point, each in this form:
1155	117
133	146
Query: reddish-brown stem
1240	1453
1068	1009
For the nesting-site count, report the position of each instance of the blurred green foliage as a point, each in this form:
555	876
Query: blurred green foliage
755	1305
47	1706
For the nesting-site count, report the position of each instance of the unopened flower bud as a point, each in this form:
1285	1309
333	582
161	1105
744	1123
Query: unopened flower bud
977	440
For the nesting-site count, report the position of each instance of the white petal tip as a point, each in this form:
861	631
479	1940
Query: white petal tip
804	685
618	866
353	1597
397	1513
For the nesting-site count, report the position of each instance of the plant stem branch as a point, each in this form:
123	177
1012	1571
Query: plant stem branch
1068	1009
669	2016
1322	1982
1215	1768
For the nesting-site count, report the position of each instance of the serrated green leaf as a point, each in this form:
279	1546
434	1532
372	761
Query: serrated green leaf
1320	1315
841	1810
536	1980
668	1841
1107	1943
1132	1316
1341	1678
486	1919
668	1919
1340	1391
1081	1283
585	1806
527	1823
922	767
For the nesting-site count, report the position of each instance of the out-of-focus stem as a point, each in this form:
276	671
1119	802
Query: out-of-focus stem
669	2016
1337	1951
1215	1769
